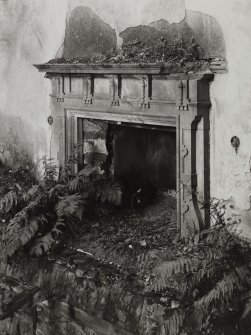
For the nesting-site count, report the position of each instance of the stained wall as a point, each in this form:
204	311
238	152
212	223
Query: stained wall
33	32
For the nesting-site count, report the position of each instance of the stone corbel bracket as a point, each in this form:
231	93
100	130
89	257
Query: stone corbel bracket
115	89
60	88
145	85
183	95
88	91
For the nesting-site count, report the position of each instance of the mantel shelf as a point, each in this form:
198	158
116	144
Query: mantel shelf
170	70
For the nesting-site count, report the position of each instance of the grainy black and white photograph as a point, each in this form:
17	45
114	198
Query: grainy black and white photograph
125	167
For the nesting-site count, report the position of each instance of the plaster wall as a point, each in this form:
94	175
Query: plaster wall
30	32
33	31
231	101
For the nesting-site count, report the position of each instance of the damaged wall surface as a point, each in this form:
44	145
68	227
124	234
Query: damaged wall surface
45	29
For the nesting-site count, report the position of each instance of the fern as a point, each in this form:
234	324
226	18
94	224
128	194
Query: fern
197	316
71	207
58	190
84	178
47	210
46	243
21	218
92	180
30	222
247	307
91	169
207	272
107	191
168	269
50	169
207	281
75	185
224	290
26	224
9	201
219	297
42	245
31	193
23	236
29	231
174	324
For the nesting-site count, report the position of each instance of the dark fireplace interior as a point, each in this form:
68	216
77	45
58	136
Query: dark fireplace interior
145	161
141	157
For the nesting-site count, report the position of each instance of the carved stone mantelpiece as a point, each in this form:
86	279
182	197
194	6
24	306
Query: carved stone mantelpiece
144	95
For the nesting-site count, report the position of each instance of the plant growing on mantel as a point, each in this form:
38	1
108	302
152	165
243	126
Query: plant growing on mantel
176	51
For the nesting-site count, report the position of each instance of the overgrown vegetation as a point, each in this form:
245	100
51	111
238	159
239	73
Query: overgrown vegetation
204	287
163	51
39	218
208	284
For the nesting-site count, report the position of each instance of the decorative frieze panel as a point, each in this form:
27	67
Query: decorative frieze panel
101	88
163	89
141	90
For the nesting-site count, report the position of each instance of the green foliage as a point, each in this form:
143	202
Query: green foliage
50	169
163	50
24	225
42	215
107	191
43	245
85	178
208	280
70	210
21	237
31	193
247	307
9	201
175	322
168	269
92	180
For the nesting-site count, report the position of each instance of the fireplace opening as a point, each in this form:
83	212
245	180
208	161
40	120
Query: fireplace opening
142	158
145	162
